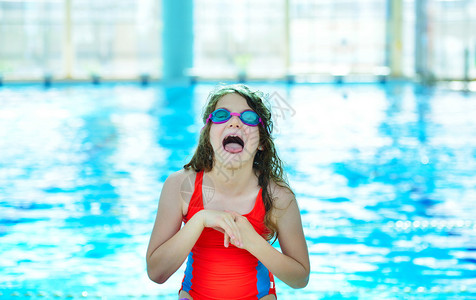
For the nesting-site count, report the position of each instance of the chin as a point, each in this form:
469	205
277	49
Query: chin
233	161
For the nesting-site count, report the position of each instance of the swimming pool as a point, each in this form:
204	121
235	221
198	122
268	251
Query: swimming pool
385	177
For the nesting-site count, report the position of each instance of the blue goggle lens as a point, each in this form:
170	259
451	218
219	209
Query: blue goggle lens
222	115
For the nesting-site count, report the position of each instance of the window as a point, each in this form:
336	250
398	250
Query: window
79	38
30	38
238	37
337	36
452	38
116	38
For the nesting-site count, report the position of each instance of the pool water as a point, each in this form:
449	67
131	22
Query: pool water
385	177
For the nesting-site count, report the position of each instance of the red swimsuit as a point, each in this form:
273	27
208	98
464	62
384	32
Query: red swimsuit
216	272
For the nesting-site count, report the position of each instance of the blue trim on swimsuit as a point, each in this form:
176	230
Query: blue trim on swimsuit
187	280
263	281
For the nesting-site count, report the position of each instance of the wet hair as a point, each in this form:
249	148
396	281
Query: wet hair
267	165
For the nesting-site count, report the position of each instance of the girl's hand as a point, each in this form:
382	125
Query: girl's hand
248	234
223	222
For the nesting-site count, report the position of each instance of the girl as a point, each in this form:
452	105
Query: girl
227	228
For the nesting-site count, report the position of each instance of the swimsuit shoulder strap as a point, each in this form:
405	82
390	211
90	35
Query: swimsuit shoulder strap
196	200
258	210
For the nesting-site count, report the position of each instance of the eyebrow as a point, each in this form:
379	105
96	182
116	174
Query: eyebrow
231	111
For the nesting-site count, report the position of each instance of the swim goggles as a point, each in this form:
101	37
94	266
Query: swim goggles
222	115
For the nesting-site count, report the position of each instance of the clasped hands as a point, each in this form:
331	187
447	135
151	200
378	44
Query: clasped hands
237	229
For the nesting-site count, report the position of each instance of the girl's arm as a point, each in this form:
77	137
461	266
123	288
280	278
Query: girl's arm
292	265
169	244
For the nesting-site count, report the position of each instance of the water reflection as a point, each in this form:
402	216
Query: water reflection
378	180
384	176
177	118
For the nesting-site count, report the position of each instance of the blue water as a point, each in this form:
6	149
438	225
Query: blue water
385	177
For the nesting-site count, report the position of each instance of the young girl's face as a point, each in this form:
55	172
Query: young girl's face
234	143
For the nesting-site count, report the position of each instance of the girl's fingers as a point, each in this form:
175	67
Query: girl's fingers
235	228
238	220
237	241
227	229
231	230
227	240
236	215
225	222
238	235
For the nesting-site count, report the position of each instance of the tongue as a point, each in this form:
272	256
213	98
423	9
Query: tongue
233	147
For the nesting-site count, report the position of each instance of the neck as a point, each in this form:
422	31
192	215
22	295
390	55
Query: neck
233	181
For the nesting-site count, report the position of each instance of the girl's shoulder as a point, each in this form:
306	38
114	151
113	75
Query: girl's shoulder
281	194
182	183
177	178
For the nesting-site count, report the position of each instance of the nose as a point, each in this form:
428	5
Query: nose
235	122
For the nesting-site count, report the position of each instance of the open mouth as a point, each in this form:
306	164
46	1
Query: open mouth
233	144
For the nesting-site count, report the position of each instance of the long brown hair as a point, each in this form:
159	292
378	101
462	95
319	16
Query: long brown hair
267	165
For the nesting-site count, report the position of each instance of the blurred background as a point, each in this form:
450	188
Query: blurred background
374	109
211	39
